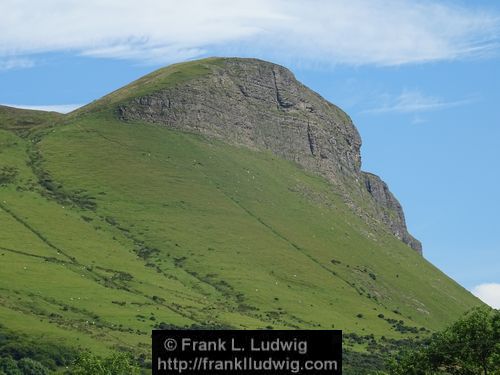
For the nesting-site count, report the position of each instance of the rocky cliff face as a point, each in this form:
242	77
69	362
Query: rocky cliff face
257	104
389	210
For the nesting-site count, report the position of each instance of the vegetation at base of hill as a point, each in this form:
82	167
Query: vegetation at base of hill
21	354
25	366
24	355
362	363
470	346
115	364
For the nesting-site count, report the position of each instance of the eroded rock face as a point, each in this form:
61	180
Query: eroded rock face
390	210
261	105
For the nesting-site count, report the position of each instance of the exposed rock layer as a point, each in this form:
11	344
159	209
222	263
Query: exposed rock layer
390	210
261	105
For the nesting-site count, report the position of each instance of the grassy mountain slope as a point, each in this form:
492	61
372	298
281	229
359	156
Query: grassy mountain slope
110	228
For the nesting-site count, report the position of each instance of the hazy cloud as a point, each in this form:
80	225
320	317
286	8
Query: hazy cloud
15	63
489	294
61	108
382	32
413	101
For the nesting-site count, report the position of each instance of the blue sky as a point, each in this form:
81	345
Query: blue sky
420	79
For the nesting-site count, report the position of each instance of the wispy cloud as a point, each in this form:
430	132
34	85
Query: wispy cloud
10	63
414	101
61	108
489	294
381	32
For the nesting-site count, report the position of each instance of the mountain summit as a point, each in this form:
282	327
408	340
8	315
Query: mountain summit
260	105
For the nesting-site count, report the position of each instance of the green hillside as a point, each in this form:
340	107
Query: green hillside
111	228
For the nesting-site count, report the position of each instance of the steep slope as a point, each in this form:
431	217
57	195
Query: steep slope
260	105
158	205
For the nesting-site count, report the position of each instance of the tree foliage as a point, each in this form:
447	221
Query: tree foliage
28	366
8	366
116	364
470	346
25	366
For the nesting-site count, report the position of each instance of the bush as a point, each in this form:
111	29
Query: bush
30	367
116	364
9	367
49	354
16	347
7	175
25	366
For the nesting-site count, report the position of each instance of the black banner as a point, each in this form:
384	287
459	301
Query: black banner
246	352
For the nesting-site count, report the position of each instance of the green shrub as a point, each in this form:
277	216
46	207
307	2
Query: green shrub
49	354
29	366
9	366
7	175
116	364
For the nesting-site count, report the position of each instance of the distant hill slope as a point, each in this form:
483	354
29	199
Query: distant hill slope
21	121
204	195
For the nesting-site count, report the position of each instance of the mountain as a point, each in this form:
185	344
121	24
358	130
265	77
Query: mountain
214	193
261	106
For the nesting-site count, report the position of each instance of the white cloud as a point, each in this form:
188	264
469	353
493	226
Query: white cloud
489	294
61	108
382	32
15	63
413	101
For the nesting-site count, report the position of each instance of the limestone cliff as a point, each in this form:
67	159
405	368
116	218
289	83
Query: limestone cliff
389	210
261	105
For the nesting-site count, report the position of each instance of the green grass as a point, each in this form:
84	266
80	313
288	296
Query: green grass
110	228
21	121
162	78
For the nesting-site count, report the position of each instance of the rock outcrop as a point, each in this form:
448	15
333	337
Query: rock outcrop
389	210
261	105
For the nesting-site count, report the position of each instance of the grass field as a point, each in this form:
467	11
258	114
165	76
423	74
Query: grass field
109	229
